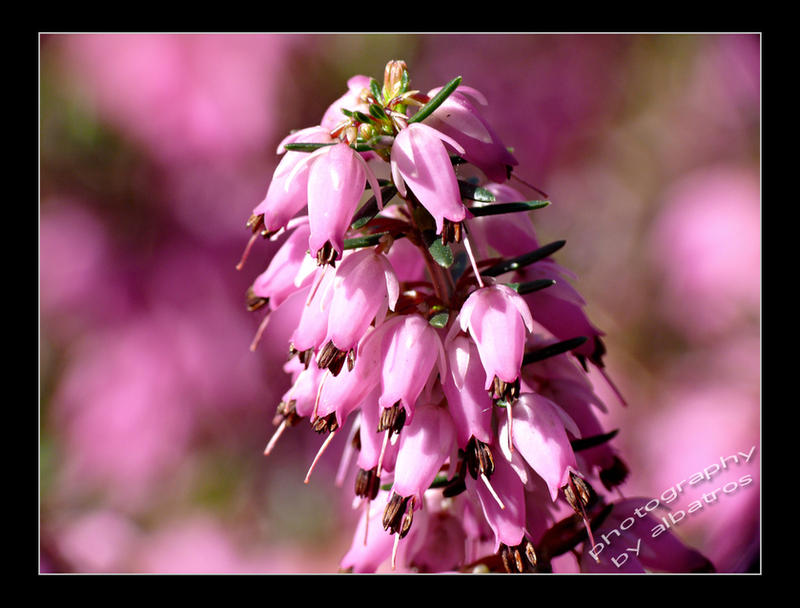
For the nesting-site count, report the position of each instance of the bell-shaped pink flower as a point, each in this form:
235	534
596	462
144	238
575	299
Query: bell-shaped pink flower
411	348
437	541
508	522
337	179
508	238
364	288
467	400
349	101
303	391
373	441
538	432
346	391
425	444
458	118
420	161
367	557
284	274
497	319
310	331
287	192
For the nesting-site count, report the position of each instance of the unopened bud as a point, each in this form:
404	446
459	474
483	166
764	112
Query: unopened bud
395	78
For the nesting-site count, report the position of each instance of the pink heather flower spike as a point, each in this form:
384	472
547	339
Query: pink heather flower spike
420	160
497	319
416	354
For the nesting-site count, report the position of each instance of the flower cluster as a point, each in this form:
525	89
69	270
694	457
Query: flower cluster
433	325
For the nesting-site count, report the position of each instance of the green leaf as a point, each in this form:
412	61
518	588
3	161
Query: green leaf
363	241
441	253
403	82
501	208
377	112
305	147
475	193
593	441
524	260
370	208
440	319
375	88
439	481
523	288
436	101
552	350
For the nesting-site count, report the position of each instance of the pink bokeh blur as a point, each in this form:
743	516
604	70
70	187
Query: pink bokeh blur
156	147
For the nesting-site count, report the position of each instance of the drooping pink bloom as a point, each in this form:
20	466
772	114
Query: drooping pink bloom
539	434
467	400
458	118
420	161
425	444
497	319
310	331
288	190
337	179
374	450
303	392
436	542
364	288
284	274
508	522
345	392
349	101
368	556
410	350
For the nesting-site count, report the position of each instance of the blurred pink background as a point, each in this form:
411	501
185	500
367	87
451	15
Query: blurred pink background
154	150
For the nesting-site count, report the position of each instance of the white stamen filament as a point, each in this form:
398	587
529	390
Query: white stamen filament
492	492
347	455
319	394
366	519
510	422
394	550
319	455
315	286
261	328
247	250
275	436
472	261
383	451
